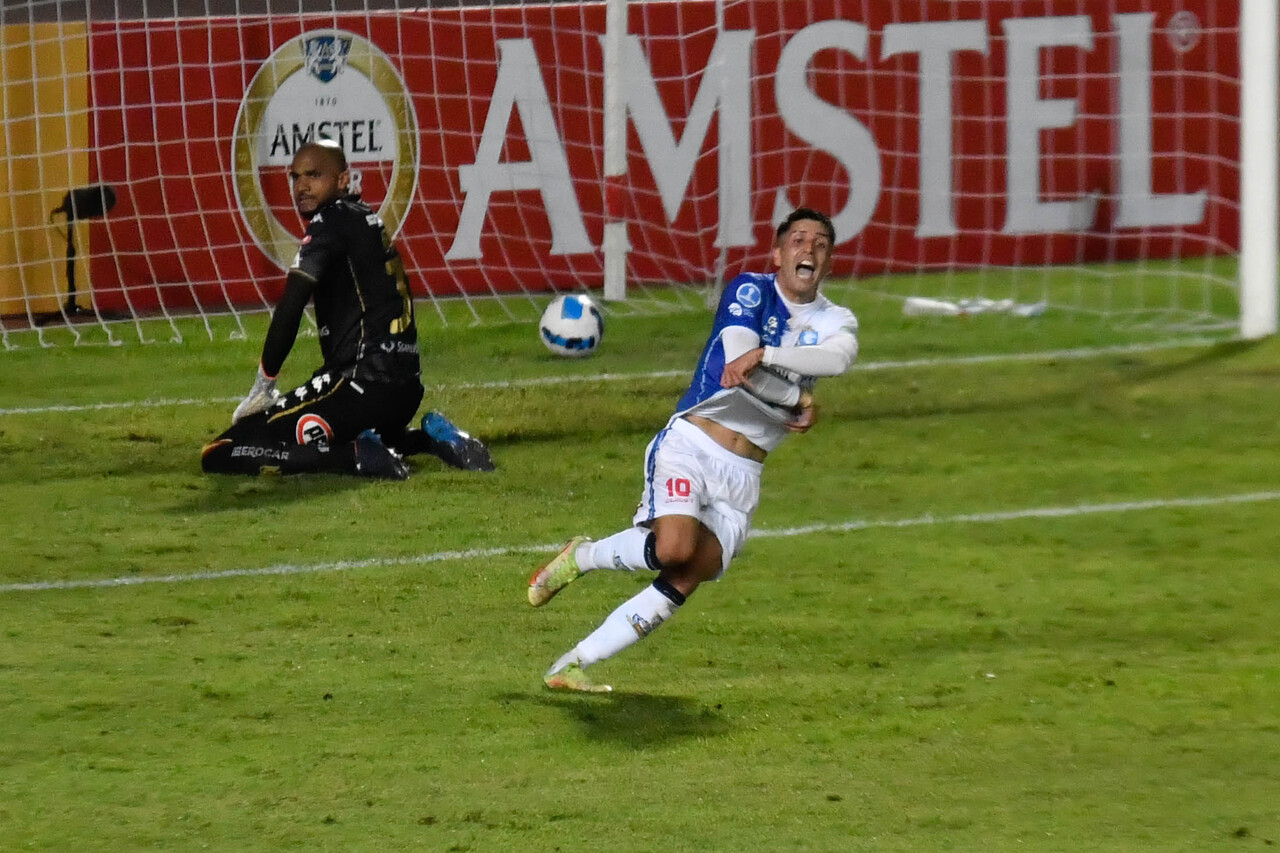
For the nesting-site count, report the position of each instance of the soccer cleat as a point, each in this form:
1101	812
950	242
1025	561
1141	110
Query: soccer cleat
557	574
374	459
455	447
572	677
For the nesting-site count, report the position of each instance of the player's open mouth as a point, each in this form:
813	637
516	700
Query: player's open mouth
805	269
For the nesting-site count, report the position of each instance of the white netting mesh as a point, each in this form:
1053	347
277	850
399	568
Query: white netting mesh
1082	155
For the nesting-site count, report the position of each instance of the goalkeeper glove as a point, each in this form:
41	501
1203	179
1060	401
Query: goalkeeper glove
260	397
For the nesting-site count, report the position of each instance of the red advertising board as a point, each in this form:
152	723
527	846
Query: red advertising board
943	134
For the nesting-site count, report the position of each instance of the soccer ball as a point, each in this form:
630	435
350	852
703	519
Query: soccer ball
572	326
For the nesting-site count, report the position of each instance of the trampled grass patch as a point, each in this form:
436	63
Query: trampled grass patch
1021	604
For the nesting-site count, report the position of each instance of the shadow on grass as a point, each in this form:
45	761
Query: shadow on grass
635	720
221	492
641	428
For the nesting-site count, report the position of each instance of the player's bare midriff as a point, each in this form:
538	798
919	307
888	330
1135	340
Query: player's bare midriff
731	440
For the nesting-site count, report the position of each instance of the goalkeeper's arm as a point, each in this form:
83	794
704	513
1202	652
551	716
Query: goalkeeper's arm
281	335
285	321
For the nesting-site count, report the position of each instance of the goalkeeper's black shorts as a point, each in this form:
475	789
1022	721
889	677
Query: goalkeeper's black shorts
332	409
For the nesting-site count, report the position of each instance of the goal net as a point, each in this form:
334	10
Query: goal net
1058	157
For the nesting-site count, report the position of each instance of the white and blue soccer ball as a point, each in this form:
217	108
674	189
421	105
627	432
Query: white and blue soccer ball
572	326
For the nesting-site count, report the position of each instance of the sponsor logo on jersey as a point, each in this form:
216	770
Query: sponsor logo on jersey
323	84
261	452
749	295
808	338
313	429
735	309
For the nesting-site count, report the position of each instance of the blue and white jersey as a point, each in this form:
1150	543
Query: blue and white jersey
752	300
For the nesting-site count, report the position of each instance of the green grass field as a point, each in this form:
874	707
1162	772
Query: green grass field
1025	603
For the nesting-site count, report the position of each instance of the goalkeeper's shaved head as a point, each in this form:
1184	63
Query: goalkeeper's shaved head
328	148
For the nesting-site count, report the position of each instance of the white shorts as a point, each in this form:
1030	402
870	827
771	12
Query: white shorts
687	473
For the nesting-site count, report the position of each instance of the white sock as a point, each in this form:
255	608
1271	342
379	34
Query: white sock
622	551
635	619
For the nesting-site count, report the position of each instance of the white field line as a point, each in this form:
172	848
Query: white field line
508	550
1051	355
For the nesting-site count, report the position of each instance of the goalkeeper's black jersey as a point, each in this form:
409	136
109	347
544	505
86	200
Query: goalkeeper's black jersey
362	300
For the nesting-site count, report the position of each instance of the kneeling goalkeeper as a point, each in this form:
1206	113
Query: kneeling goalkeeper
352	416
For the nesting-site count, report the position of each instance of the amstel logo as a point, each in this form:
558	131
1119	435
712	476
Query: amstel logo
325	84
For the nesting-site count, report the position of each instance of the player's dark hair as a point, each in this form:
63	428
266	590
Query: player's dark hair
330	149
807	213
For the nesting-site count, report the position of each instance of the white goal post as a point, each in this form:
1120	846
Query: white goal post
1260	182
1108	159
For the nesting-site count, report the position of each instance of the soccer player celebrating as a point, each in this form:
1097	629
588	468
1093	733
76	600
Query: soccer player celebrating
772	335
352	415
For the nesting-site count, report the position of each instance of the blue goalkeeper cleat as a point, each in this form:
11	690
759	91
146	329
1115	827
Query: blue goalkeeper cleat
453	446
374	459
572	677
557	574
